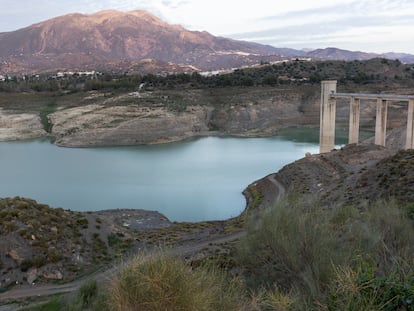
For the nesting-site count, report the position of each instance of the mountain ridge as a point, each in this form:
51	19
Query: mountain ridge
100	40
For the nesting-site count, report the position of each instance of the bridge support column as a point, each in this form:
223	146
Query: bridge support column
381	122
353	137
410	126
328	114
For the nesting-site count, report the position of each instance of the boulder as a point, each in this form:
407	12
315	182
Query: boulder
53	275
32	275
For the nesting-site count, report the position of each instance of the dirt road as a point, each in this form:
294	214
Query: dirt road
26	291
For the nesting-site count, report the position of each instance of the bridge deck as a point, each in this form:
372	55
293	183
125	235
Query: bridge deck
390	97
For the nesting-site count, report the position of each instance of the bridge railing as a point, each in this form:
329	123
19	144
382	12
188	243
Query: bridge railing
328	115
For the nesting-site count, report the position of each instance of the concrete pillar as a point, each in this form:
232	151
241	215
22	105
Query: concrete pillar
410	126
381	122
353	137
328	114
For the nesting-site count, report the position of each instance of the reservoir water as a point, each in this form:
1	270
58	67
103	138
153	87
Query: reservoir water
194	180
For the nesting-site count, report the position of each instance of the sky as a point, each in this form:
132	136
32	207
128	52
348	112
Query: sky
358	25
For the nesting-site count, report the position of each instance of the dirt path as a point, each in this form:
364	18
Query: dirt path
279	187
26	291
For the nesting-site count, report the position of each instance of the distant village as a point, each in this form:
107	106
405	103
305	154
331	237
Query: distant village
51	76
90	75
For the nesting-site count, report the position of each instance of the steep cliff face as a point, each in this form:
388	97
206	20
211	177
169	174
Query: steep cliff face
260	113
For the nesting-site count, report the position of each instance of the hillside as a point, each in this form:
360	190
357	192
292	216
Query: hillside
42	244
355	175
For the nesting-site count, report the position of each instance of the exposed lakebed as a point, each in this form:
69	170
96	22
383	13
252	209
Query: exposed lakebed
194	180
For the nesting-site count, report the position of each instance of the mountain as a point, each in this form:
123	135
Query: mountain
405	58
140	42
332	53
338	54
82	41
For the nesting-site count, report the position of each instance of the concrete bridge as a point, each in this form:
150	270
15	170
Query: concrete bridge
328	115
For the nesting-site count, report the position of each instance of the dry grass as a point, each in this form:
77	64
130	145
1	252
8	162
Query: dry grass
163	282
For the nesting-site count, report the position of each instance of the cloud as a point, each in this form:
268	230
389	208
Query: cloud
366	23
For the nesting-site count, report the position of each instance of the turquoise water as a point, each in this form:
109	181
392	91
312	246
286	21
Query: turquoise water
194	180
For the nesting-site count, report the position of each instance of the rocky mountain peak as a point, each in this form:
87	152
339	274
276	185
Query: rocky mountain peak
76	40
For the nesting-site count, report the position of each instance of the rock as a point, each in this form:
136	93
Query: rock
32	275
53	275
15	256
20	126
54	230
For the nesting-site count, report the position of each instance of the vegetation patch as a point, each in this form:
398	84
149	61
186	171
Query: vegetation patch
307	252
163	282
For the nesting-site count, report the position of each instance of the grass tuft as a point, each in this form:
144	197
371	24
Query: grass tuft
163	282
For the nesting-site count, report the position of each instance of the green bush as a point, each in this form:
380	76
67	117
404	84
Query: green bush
53	305
293	247
39	261
54	255
26	265
162	282
299	247
361	288
87	293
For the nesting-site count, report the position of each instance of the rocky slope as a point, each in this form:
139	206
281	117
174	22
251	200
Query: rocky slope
355	175
138	123
98	125
159	116
43	244
15	126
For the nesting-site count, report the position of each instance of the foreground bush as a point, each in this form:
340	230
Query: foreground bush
162	282
362	288
303	250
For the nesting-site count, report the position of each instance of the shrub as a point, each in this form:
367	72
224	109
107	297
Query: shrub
88	293
38	261
54	255
163	282
360	288
7	227
26	265
81	221
89	297
299	247
52	305
293	248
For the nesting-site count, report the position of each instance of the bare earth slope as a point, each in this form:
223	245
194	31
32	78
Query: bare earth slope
15	126
353	175
97	125
159	116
